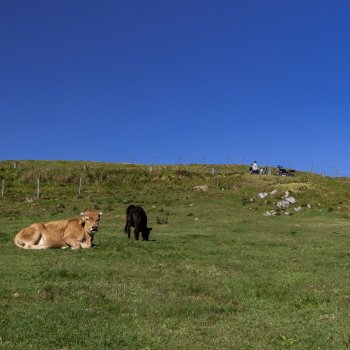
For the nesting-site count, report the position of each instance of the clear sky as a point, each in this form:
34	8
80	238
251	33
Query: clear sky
185	81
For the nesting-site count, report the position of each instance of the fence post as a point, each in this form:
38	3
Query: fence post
80	182
2	188
38	187
336	172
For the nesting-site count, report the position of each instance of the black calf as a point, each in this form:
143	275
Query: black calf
136	217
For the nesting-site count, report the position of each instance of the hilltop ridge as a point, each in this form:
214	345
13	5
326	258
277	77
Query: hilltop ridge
33	187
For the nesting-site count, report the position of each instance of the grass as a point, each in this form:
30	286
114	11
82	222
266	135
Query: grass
216	274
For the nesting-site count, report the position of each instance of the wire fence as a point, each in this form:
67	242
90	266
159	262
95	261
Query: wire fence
79	173
325	170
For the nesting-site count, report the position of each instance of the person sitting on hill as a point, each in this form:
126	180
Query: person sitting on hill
254	169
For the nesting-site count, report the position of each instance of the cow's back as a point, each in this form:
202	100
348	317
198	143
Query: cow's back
137	215
55	232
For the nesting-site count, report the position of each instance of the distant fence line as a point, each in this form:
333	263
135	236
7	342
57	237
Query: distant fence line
37	190
35	173
37	180
211	169
332	171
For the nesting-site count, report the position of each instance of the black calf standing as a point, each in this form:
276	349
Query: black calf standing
136	217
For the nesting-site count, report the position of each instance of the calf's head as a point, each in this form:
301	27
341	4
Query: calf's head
146	232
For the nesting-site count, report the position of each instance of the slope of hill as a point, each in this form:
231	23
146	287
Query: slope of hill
216	274
37	187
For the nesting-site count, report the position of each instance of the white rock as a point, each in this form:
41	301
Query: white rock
291	200
200	188
270	213
283	204
286	194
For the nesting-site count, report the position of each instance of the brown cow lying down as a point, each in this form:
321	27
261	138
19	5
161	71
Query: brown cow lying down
75	233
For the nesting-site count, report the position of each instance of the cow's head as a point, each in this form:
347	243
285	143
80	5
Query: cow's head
146	232
90	220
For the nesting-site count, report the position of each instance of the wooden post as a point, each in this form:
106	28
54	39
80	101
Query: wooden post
38	187
2	188
336	173
212	171
80	182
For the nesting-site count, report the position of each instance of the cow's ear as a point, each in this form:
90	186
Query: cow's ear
150	229
83	219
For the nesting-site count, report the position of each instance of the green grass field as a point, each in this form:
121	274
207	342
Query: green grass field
217	273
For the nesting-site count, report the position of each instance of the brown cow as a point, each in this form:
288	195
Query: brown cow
75	233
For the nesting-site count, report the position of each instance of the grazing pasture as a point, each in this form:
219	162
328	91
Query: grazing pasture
216	273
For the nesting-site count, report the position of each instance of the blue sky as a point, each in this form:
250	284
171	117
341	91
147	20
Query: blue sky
165	82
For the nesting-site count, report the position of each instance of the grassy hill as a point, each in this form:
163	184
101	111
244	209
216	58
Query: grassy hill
217	273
